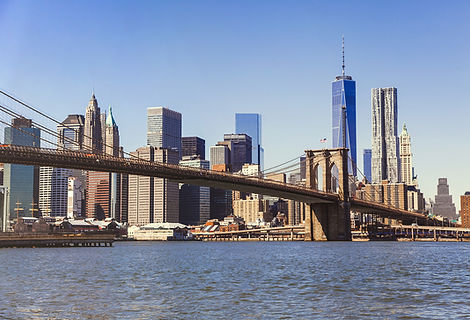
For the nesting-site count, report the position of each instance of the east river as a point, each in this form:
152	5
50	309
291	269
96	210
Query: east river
233	280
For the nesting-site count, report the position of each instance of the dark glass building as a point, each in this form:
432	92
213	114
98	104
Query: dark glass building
194	200
344	95
22	181
193	146
70	132
367	158
250	124
240	149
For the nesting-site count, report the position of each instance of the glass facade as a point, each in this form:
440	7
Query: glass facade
164	128
240	149
70	132
194	200
344	94
22	181
193	146
250	124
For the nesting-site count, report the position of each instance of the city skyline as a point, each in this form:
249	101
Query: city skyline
268	87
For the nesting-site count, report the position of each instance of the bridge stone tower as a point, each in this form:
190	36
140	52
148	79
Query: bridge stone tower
328	221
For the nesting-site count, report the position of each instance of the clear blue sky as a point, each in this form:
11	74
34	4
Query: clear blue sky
211	59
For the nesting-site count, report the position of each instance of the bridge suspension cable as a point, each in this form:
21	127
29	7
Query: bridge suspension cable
36	124
57	122
266	171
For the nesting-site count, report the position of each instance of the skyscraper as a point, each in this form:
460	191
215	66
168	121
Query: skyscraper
111	135
22	181
111	148
444	205
406	157
344	110
465	209
385	146
103	131
70	132
194	200
220	154
53	182
164	128
250	124
193	146
93	139
100	199
221	200
367	163
153	199
240	149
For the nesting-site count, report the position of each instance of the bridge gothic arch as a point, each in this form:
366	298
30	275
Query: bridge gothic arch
331	163
328	221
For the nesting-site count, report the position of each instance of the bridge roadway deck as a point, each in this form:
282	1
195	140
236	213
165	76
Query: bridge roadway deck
201	177
364	206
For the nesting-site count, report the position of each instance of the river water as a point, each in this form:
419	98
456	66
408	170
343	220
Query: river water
233	280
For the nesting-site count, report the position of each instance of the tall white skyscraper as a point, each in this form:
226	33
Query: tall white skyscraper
406	157
385	146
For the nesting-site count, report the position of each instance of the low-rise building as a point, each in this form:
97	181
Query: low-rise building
252	210
162	231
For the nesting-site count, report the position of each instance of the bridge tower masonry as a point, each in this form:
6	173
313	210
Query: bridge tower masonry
328	221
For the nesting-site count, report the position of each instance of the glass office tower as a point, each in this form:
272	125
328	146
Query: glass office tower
344	94
22	181
250	124
164	128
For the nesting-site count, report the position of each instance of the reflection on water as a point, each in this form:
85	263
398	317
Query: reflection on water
266	280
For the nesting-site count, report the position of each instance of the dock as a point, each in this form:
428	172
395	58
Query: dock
31	240
289	233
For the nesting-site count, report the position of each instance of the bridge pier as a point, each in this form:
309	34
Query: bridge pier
328	221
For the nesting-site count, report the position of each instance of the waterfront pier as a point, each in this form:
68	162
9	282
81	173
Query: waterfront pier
15	240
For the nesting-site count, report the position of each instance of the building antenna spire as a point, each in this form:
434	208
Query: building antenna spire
342	38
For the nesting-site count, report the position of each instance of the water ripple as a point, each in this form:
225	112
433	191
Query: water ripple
256	280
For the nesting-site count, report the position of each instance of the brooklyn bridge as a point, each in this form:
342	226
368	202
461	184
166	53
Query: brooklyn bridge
328	196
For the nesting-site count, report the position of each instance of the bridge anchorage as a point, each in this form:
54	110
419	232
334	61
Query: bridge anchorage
328	221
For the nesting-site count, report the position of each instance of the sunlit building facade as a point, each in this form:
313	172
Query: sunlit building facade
385	144
164	128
